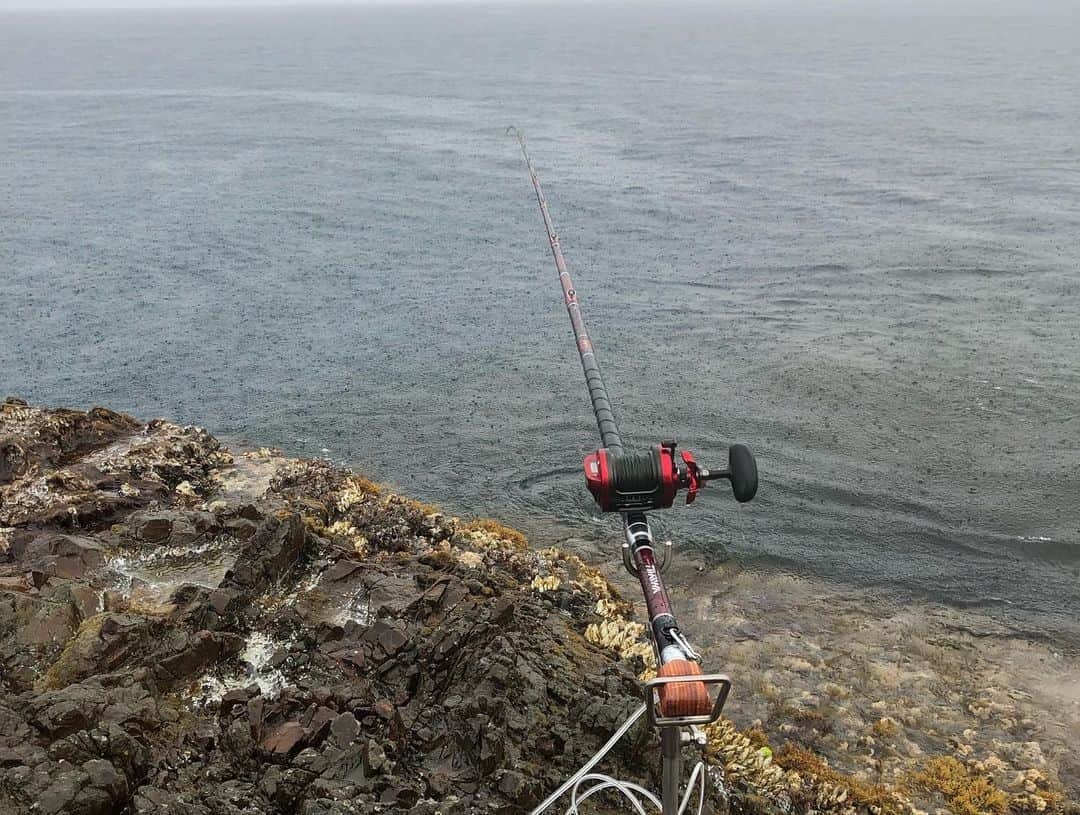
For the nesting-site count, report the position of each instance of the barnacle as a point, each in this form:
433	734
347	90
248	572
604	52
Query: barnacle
473	560
344	529
186	491
548	583
356	490
744	764
609	608
493	533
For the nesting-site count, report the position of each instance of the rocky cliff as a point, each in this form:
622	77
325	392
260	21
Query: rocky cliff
187	631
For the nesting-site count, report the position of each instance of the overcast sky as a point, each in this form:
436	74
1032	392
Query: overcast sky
70	4
76	4
985	5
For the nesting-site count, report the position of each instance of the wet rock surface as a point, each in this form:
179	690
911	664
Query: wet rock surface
182	631
354	652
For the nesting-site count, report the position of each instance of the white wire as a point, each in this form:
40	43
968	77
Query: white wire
627	789
592	762
697	773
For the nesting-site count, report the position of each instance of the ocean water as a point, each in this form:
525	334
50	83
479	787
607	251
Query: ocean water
848	235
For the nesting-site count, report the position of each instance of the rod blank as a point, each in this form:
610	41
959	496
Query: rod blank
601	404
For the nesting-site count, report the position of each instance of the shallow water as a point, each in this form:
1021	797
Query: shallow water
846	237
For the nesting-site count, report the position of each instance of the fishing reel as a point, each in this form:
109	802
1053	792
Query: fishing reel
650	479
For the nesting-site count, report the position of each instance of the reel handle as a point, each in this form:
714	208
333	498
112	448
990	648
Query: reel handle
741	472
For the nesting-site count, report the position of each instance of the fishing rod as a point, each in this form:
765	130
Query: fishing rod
633	482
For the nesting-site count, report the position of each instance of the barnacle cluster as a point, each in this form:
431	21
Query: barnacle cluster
1038	794
355	491
745	764
489	533
17	412
470	560
543	583
262	452
344	529
624	637
187	493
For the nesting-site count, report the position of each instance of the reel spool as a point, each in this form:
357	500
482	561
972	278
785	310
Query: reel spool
637	481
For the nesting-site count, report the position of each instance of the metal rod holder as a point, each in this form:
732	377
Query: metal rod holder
666	558
652	701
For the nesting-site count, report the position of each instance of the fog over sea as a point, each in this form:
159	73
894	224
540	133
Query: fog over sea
848	235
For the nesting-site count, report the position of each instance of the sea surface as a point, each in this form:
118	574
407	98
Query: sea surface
845	234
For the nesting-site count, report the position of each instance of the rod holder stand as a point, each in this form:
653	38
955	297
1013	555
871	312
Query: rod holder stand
652	700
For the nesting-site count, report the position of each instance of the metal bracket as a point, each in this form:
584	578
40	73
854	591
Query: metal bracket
652	700
666	559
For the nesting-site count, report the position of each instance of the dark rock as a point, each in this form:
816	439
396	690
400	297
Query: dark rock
194	652
176	528
250	512
70	793
241	528
512	784
341	570
239	696
502	613
285	740
223	600
270	554
102	643
399	796
319	723
345	729
73	557
388	637
103	776
13	461
153	529
9	758
256	709
384	709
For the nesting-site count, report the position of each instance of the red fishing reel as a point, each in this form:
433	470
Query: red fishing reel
640	480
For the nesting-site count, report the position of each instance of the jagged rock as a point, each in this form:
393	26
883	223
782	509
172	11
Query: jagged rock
189	654
9	758
13	461
70	793
103	642
387	637
345	729
269	555
285	740
512	784
64	556
153	529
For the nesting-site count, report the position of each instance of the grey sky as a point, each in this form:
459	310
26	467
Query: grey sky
80	4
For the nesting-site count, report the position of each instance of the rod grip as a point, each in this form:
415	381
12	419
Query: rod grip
683	698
